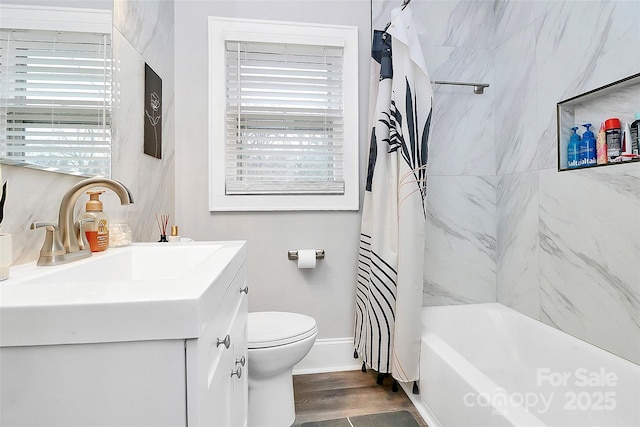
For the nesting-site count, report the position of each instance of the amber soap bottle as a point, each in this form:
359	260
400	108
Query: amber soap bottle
97	231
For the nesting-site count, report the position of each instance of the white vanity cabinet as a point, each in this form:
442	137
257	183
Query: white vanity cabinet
181	361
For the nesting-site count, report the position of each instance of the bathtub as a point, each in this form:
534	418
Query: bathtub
488	365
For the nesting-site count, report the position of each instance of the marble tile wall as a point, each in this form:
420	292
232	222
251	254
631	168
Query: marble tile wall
457	40
35	195
589	270
567	243
144	32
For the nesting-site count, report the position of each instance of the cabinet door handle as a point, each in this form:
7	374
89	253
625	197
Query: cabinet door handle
245	290
237	372
226	341
241	361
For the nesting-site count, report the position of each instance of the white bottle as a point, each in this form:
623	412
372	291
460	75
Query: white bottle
174	237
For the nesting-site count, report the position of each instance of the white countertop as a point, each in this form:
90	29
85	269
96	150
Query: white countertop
144	291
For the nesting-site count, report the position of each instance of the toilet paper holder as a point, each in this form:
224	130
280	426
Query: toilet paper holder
293	255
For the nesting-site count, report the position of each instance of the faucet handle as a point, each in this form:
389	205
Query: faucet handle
52	244
49	225
83	242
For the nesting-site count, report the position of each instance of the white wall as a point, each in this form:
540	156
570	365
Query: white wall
327	292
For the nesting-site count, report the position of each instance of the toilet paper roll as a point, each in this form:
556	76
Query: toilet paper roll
306	258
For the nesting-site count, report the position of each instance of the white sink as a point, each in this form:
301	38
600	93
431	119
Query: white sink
135	262
142	291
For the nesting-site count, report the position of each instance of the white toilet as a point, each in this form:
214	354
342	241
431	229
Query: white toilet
277	341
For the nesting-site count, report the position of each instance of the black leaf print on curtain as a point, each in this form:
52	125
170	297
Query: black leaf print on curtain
416	155
415	152
373	155
394	123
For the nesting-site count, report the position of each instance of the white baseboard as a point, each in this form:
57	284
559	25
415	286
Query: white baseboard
329	355
425	412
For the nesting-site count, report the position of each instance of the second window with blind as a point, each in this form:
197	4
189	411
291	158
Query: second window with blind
283	116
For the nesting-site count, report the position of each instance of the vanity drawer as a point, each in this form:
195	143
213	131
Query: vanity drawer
218	328
224	397
223	340
215	355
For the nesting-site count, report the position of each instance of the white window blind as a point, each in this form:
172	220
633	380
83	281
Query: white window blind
284	118
55	100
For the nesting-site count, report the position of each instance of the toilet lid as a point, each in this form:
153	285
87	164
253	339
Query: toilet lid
272	328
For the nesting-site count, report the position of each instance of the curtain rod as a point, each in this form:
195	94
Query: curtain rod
478	88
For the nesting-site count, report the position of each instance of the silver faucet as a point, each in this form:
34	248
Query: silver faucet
61	242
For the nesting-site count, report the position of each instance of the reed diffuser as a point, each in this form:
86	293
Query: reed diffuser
163	222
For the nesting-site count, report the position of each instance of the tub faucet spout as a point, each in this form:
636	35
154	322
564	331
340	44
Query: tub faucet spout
61	243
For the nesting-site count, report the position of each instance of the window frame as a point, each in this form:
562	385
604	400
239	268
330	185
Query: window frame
222	29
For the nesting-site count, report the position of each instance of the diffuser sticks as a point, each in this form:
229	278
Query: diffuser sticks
163	222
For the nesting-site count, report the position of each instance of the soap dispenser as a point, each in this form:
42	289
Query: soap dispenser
573	150
588	157
97	231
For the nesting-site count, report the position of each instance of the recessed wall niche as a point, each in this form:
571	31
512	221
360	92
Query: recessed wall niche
620	99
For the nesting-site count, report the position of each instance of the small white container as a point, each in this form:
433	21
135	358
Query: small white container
175	237
6	255
119	233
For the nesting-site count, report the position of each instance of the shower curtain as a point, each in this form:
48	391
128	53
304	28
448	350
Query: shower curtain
390	262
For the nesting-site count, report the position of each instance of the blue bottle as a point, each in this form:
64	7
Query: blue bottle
573	150
589	156
582	152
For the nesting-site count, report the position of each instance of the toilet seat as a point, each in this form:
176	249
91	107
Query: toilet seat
272	328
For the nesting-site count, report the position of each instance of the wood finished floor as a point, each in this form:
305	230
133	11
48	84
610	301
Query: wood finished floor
344	394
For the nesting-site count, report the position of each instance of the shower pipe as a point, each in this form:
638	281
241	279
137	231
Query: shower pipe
478	88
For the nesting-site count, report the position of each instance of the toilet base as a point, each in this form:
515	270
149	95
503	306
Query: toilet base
271	401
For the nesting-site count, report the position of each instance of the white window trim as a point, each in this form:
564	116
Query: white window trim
55	18
283	32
